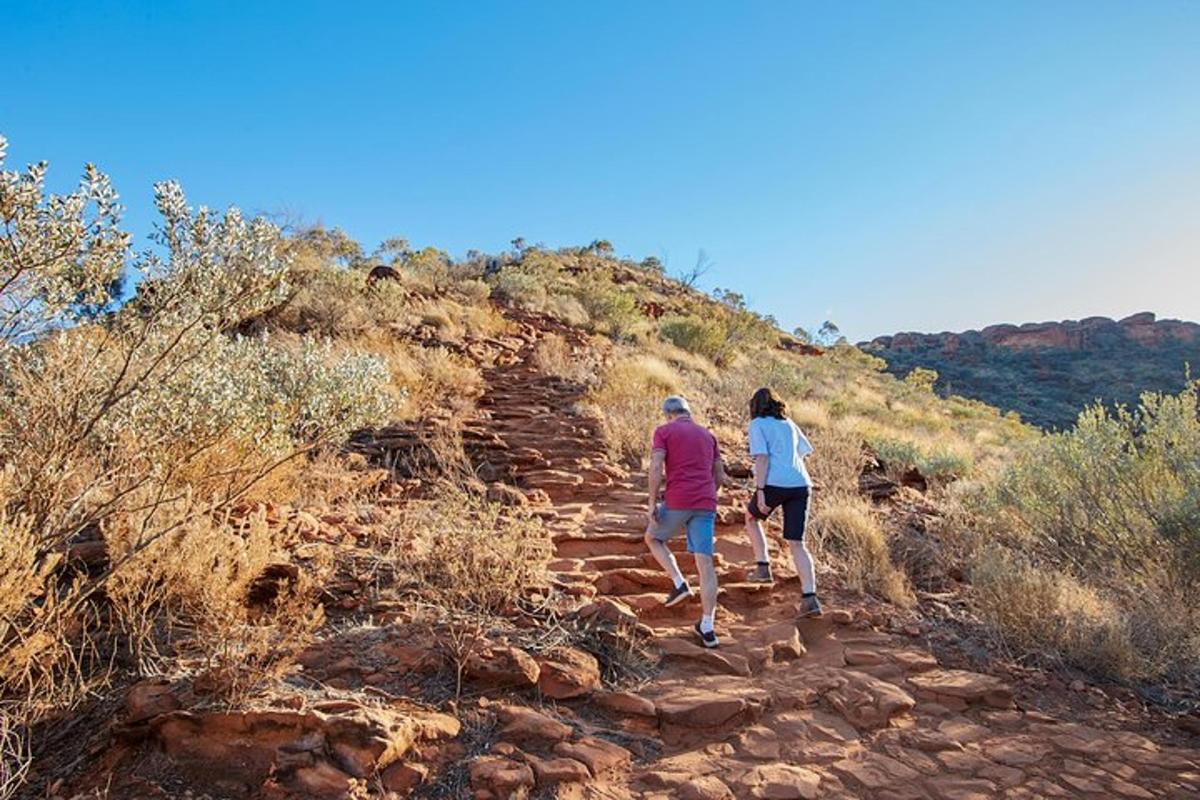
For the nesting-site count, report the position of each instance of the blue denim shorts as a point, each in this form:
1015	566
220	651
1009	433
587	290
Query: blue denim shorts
699	523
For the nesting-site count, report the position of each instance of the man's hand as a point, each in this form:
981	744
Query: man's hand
652	513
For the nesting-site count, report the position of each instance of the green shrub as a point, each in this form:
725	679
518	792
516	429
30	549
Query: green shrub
520	289
897	456
944	464
707	337
921	379
611	309
1115	504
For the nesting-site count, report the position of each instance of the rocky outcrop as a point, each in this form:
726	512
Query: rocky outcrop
1143	328
1050	371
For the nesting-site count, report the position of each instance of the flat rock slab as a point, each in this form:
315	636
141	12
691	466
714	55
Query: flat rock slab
779	782
956	688
712	704
864	701
708	661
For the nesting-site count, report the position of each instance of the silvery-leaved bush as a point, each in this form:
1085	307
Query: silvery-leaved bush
225	268
61	256
98	406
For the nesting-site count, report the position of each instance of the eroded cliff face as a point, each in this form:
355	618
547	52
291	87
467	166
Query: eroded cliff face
1050	371
1084	334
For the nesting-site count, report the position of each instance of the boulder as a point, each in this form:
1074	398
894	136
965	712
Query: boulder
503	666
568	673
599	756
525	725
865	701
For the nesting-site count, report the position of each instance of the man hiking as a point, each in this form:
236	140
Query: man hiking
688	454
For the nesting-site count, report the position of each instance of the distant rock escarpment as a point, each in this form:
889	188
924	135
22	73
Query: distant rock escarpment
1049	371
1092	332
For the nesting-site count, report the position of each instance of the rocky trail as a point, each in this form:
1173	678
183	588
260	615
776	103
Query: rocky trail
841	706
851	705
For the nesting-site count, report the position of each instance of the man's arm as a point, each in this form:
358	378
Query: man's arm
658	458
718	472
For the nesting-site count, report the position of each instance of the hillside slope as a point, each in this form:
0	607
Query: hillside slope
872	701
1047	372
299	521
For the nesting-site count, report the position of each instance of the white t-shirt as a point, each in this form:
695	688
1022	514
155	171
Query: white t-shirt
785	446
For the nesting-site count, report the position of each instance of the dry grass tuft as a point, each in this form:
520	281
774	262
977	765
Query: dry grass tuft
466	563
187	600
627	401
1044	612
846	531
555	356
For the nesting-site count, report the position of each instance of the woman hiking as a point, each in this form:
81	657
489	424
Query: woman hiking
778	448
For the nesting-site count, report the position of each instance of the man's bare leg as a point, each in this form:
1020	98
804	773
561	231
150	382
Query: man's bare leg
665	558
708	589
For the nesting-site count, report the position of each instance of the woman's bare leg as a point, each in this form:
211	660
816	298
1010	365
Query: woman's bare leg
804	566
758	539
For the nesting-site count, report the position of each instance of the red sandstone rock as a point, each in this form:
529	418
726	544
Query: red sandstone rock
780	782
553	771
148	699
568	673
599	756
945	685
712	706
705	787
625	703
865	701
525	725
503	666
501	776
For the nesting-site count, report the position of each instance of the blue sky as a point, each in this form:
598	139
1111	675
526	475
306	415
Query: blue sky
891	165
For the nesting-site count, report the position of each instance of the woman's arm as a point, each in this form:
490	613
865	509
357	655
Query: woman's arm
761	463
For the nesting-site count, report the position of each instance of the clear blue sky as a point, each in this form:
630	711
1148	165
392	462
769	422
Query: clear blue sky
895	165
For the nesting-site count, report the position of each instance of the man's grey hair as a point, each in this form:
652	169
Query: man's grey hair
676	404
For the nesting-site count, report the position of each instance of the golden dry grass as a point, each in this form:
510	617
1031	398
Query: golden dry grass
1043	612
627	402
847	532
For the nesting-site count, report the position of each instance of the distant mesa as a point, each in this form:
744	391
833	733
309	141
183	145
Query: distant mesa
1143	328
1049	371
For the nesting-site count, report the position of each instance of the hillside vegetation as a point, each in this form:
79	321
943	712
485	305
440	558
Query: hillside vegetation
262	450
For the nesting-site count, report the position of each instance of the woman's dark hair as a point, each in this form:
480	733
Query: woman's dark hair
765	403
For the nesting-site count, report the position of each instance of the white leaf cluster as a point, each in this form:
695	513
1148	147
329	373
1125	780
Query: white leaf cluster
60	255
268	397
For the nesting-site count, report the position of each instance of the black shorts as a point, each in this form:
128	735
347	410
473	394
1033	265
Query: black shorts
794	500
